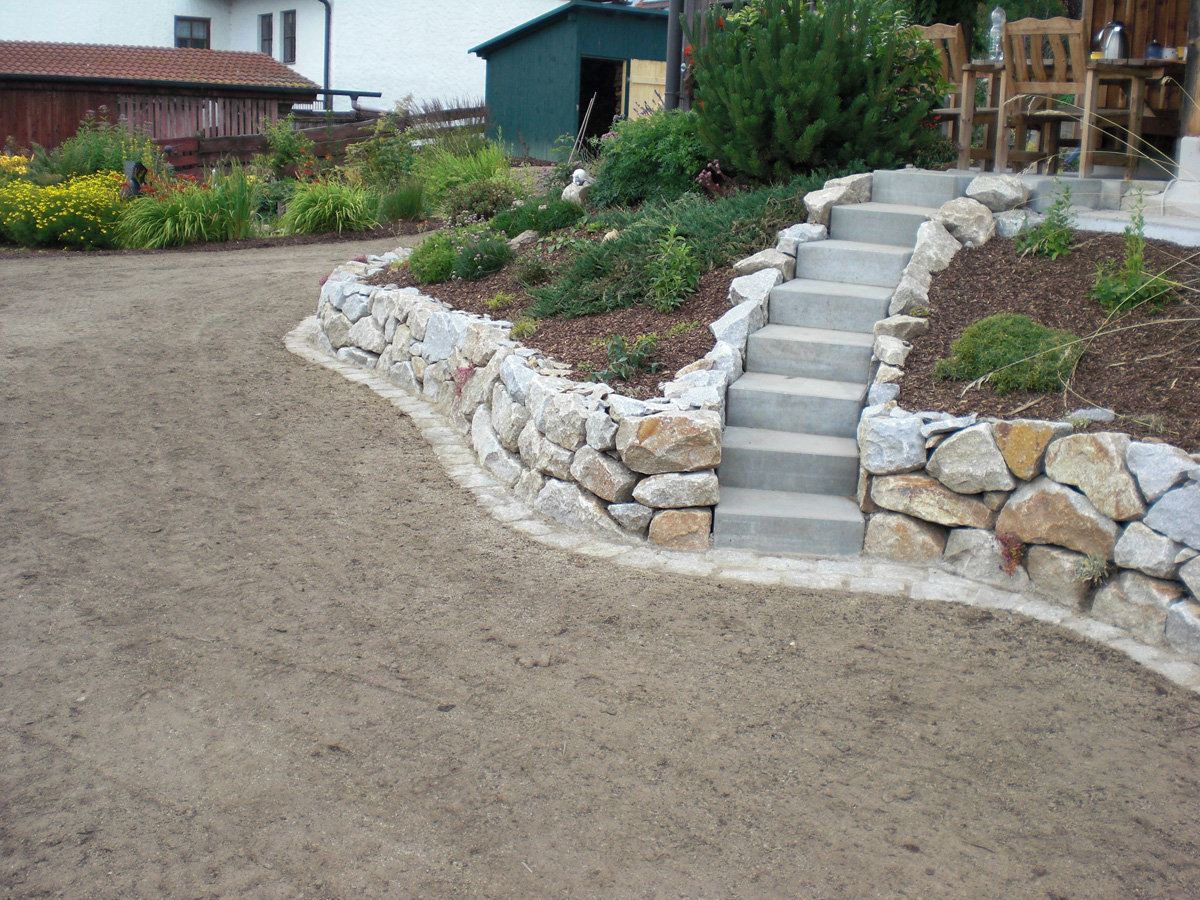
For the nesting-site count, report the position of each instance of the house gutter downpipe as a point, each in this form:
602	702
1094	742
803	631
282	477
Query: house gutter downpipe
328	44
675	53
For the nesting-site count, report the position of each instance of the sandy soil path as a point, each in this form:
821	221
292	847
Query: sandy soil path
254	643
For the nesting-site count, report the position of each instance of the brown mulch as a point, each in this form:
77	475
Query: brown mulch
1143	365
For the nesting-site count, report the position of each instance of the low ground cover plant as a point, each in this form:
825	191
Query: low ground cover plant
1012	352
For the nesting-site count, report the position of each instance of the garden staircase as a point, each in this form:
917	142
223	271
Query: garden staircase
789	465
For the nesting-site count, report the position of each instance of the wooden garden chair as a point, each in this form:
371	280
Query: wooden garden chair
959	115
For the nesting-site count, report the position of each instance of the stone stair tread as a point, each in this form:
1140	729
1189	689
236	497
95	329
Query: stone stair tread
906	208
739	437
806	334
799	385
859	246
786	505
835	288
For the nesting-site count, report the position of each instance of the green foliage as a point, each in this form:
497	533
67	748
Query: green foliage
1094	568
446	165
386	159
627	358
674	271
1053	236
542	214
404	203
1012	353
500	302
433	259
681	328
784	89
97	146
322	206
481	255
524	328
532	270
81	213
223	210
1131	285
654	157
478	201
288	147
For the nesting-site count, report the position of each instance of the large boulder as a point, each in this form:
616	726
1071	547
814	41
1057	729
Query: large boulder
604	476
927	498
967	220
739	323
1137	603
633	517
500	462
1177	515
1158	468
783	263
755	286
545	456
567	503
787	240
564	420
888	445
890	350
1095	463
681	529
935	248
1147	551
508	418
1046	512
677	490
906	328
999	192
903	538
601	430
671	442
969	462
1023	443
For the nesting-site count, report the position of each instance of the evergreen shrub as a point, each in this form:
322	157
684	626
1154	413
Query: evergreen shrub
1013	353
651	158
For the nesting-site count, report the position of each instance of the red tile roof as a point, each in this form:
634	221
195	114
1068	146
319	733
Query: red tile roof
98	62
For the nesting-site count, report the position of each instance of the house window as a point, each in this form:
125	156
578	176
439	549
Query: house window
192	32
289	35
266	33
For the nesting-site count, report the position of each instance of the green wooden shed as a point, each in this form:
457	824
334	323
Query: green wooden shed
543	75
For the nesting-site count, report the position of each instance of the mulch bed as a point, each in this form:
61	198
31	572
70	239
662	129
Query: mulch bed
1145	366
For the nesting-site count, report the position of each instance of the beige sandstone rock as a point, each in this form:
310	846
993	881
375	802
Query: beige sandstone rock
1046	512
1137	603
671	442
927	498
1095	463
682	529
903	538
1023	443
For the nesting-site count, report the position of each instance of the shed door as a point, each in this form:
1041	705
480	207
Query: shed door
647	86
602	86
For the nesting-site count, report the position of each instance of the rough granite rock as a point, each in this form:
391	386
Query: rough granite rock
504	465
784	263
787	240
1183	628
671	442
564	419
567	503
677	490
1147	551
1158	468
418	317
543	455
903	538
891	351
681	529
357	302
443	332
633	517
927	498
739	323
517	376
947	426
576	193
726	358
1054	571
1046	512
911	293
967	220
935	248
508	418
755	287
529	485
977	554
1011	223
1024	441
607	478
1189	574
481	342
998	192
601	431
969	462
906	328
1095	463
481	383
1137	603
890	445
858	186
361	358
401	374
336	327
1177	515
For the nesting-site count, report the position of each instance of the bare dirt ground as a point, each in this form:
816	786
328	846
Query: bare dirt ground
255	643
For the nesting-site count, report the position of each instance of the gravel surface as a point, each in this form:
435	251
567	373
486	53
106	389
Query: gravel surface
257	644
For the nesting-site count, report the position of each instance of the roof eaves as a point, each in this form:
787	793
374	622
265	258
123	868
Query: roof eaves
536	24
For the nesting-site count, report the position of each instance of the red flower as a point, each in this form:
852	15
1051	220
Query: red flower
721	22
687	51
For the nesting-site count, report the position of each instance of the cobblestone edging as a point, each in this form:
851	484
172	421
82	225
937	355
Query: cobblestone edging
883	578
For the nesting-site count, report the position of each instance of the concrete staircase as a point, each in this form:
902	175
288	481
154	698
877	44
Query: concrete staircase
789	463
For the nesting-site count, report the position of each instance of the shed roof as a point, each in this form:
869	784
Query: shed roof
46	61
555	15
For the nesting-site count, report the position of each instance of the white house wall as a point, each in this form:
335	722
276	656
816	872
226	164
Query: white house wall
398	47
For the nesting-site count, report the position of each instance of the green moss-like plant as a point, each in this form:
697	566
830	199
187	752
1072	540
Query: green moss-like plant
1012	353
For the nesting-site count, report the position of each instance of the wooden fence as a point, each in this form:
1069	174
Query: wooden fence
166	116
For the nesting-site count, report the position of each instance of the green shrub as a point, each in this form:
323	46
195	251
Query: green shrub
627	358
532	270
386	159
405	203
443	166
97	146
481	255
784	89
654	157
1053	235
543	215
1131	285
433	259
81	213
288	148
322	206
674	272
478	201
1012	353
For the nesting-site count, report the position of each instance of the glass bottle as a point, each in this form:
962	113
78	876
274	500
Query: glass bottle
996	36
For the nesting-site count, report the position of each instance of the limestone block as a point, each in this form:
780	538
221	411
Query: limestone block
418	317
601	431
516	375
969	462
633	517
1189	574
967	220
787	240
419	366
858	187
755	287
999	192
1024	441
1011	223
671	442
383	307
357	303
564	420
910	294
947	425
385	361
337	328
622	407
444	331
436	376
568	503
1054	571
481	342
676	490
819	203
1158	467
935	248
508	418
1095	463
977	554
545	456
1177	515
361	358
529	485
500	462
528	236
1147	551
927	498
879	394
367	334
890	350
767	259
324	345
539	390
401	339
903	538
906	328
1046	512
1183	627
332	294
401	374
681	529
889	445
607	478
1137	603
478	388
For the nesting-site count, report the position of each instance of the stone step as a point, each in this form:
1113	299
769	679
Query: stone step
811	352
786	522
918	187
853	262
786	461
810	303
894	224
794	403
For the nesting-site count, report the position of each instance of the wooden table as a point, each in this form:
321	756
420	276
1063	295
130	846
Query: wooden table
1132	76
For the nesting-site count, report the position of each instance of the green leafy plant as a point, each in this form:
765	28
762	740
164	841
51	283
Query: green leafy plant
544	215
404	203
674	271
524	328
649	158
1053	235
1095	569
1011	353
784	87
627	358
433	259
385	159
478	201
1131	285
481	255
289	149
329	205
500	302
97	146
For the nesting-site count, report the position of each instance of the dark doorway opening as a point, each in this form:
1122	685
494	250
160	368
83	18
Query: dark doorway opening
603	79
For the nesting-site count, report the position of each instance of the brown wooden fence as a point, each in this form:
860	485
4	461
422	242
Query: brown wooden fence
166	116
